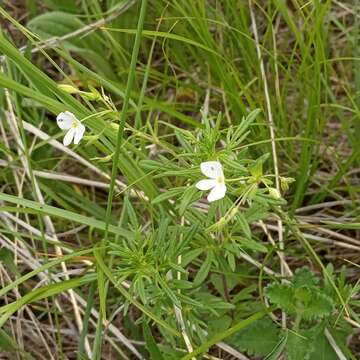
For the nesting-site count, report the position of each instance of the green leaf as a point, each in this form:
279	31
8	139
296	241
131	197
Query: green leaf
301	296
167	195
258	339
89	47
242	224
299	345
6	342
251	244
6	256
203	271
190	256
224	334
152	347
231	261
101	281
320	305
127	296
322	349
65	5
130	212
169	292
282	295
187	198
69	215
278	349
85	329
303	276
256	212
256	170
219	324
42	293
42	268
312	344
7	345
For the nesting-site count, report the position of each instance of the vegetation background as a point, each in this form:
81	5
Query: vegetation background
108	251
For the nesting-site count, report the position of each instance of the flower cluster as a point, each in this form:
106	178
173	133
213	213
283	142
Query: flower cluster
213	170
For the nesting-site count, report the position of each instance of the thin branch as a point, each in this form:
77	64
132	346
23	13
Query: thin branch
272	136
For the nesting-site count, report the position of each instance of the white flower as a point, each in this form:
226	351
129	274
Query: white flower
216	182
67	121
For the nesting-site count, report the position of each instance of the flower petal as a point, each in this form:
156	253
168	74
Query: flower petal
206	184
217	193
79	133
211	169
69	137
65	120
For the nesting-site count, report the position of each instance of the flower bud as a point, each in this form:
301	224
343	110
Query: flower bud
68	88
274	193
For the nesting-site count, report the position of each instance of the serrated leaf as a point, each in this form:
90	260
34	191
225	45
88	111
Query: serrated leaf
299	345
310	344
308	301
323	350
219	324
278	349
258	339
320	305
303	276
282	295
303	294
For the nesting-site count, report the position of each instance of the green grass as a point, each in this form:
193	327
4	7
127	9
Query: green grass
139	265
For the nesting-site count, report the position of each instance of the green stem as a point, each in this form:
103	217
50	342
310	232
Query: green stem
237	179
123	115
297	321
129	85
